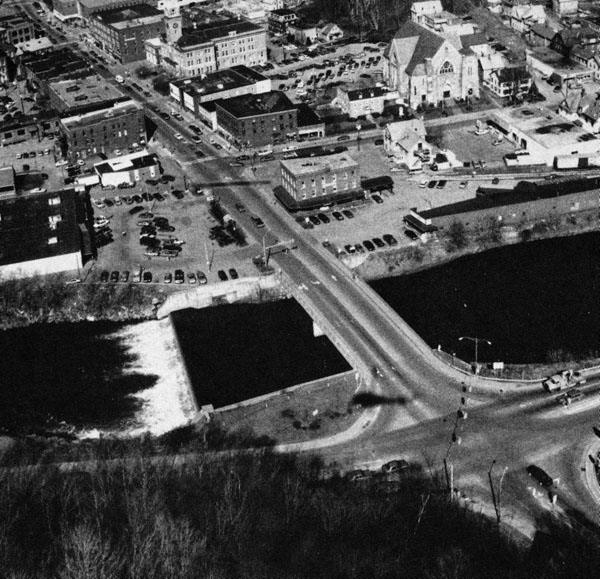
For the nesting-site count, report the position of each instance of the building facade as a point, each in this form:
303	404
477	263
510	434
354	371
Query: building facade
403	140
257	120
130	169
565	7
123	32
361	102
279	20
426	68
14	29
315	181
65	9
510	82
103	130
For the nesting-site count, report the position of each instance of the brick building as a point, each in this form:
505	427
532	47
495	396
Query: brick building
123	32
279	20
14	28
307	183
257	120
43	68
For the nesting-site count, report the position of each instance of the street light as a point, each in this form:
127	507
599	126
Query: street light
476	340
358	128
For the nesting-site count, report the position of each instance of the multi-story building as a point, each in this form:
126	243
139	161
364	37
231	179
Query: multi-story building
103	130
312	182
303	33
430	15
14	28
78	94
565	7
43	68
123	32
510	82
223	84
41	233
257	120
198	42
279	20
427	68
87	8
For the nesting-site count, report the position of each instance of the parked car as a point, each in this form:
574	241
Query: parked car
168	278
390	239
343	138
368	245
423	183
338	216
347	213
179	276
233	274
191	277
376	198
394	466
323	218
378	242
201	277
135	209
147	277
441	184
411	234
104	276
222	275
432	184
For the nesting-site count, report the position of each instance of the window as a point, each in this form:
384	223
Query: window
447	68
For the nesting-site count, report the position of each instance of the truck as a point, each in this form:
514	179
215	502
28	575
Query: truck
561	380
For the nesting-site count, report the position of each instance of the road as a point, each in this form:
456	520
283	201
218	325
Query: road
419	395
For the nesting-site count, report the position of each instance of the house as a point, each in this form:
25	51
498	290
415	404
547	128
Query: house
329	32
566	39
361	102
403	139
588	56
540	35
431	15
426	68
523	17
565	7
512	82
491	62
423	8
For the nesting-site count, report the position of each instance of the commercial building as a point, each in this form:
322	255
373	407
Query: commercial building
28	127
302	33
41	233
308	183
123	32
104	130
236	81
279	20
14	28
60	64
199	42
128	169
257	120
310	125
87	8
543	135
65	9
77	94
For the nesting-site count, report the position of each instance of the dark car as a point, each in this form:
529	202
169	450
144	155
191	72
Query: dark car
377	198
411	234
159	197
378	242
348	213
343	138
539	475
432	184
379	141
368	245
222	275
337	215
147	277
104	276
146	197
394	466
390	239
240	207
495	181
314	220
177	194
152	182
125	276
258	222
323	217
108	202
179	276
114	276
201	277
146	215
233	273
165	228
135	209
137	199
164	116
195	129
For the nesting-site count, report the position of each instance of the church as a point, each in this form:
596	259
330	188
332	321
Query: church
427	68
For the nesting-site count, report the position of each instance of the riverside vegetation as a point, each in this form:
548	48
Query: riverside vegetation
255	516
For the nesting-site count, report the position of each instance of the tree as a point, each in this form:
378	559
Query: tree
161	84
457	236
143	71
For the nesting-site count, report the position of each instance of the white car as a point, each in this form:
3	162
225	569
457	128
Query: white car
178	136
60	163
38	190
423	183
196	140
396	170
80	162
482	131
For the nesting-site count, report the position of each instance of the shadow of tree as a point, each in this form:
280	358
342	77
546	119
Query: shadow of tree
369	399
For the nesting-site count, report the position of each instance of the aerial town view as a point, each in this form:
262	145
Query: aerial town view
297	289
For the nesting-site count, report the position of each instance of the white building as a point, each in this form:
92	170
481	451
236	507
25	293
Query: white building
129	169
401	140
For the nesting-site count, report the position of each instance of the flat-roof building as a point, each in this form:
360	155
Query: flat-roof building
14	29
42	233
129	169
123	32
199	42
223	84
258	120
60	64
73	94
307	183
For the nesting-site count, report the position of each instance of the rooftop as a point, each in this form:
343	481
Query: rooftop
137	14
308	166
127	163
56	63
546	128
250	105
307	117
25	227
84	91
88	116
204	33
234	77
366	93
